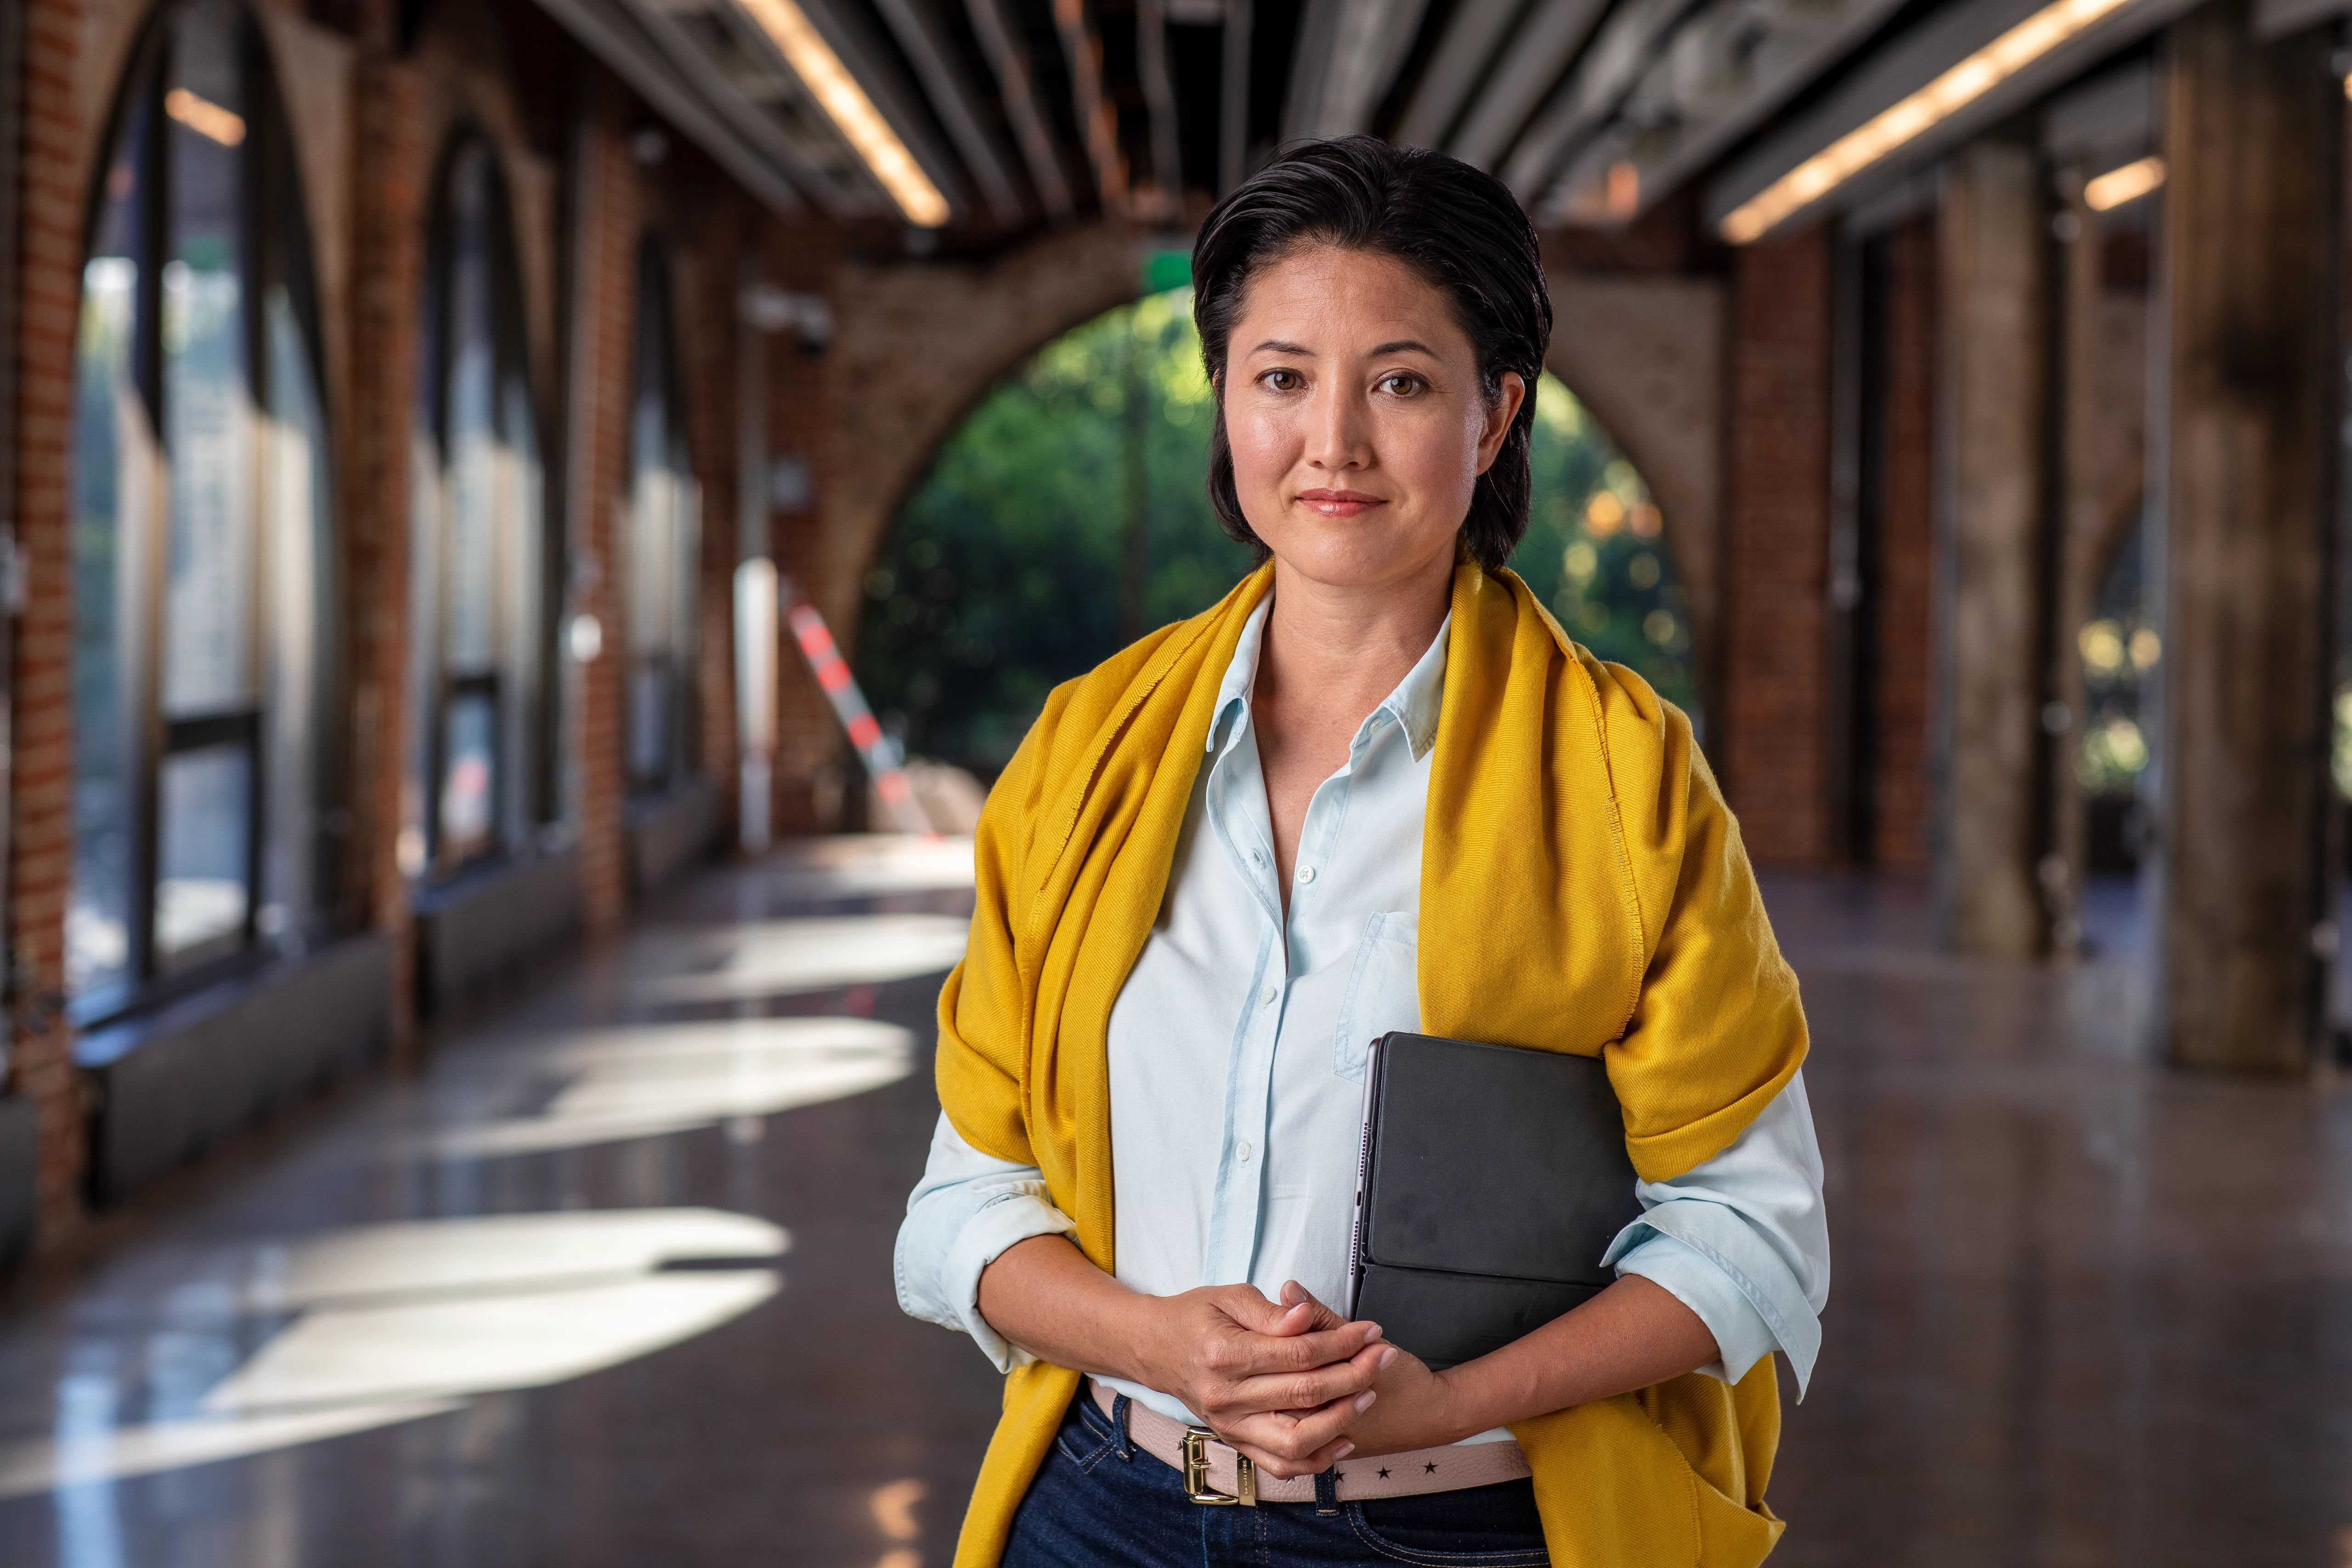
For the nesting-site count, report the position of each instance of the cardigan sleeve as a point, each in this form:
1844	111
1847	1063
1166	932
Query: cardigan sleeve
980	1053
1717	1030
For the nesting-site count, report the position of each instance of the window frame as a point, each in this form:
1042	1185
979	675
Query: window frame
536	775
677	661
275	235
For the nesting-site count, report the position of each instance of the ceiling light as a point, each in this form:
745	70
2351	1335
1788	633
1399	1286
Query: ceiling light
852	112
2128	184
1939	101
204	117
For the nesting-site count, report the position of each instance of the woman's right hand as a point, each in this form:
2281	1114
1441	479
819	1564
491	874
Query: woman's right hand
1280	1384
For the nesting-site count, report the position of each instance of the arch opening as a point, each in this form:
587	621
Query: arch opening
1066	515
204	553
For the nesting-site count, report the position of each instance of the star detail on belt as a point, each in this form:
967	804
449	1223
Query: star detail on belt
1430	1468
1384	1475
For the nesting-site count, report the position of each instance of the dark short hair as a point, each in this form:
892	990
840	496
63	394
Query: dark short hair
1458	226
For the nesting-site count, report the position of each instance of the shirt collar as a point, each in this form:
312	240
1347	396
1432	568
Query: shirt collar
1414	704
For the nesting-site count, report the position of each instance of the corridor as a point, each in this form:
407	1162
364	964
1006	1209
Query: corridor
608	1283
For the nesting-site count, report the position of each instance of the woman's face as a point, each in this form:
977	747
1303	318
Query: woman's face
1356	424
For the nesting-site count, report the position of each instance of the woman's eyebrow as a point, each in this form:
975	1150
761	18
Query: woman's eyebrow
1403	345
1276	345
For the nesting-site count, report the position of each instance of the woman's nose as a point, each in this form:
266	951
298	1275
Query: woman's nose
1338	436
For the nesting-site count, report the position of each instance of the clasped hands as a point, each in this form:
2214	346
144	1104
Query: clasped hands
1292	1384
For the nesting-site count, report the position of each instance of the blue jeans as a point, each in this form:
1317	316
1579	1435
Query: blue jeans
1101	1502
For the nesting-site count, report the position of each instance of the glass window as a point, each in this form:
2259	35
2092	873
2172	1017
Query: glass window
479	782
202	560
663	548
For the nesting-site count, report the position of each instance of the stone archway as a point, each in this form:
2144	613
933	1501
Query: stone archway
1644	354
919	344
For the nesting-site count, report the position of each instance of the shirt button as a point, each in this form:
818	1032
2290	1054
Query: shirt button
1244	1152
1266	997
1307	873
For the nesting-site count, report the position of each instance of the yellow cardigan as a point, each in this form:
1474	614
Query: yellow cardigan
1583	889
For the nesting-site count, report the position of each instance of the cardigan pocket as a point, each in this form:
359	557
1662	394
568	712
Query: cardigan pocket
1383	990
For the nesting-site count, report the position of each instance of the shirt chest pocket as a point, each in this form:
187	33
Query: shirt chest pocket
1383	990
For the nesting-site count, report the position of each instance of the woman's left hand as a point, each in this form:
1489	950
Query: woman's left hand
1416	1406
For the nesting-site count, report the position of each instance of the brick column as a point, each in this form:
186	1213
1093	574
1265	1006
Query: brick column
40	870
2249	308
1907	569
601	315
1771	749
712	340
390	171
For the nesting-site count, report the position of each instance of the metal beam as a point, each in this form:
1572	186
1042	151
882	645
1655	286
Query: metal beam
1627	45
1233	98
850	39
1159	99
1909	63
1010	61
952	98
1470	41
615	33
1098	121
1349	51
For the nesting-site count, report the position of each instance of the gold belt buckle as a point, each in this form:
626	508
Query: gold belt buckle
1196	1473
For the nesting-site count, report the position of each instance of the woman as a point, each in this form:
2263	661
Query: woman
1375	788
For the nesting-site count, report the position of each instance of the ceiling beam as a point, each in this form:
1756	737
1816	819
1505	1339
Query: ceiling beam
1159	101
1628	43
1098	121
1010	61
1233	98
1349	51
1531	66
1907	63
676	87
849	36
1719	77
1469	42
952	98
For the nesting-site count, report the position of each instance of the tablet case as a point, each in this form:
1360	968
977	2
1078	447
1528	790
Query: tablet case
1490	1182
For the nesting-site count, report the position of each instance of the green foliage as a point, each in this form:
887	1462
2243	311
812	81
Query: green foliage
1594	554
1000	576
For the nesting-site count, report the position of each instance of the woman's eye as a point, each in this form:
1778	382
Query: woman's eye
1400	384
1281	381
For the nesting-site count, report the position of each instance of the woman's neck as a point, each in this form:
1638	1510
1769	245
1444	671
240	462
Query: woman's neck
1344	648
1328	657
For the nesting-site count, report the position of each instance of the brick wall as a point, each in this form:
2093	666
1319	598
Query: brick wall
390	174
40	872
603	304
1904	682
1772	742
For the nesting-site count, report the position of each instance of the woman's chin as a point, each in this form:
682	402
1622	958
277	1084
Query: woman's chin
1332	558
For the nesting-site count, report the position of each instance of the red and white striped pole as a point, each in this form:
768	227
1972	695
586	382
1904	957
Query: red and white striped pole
831	671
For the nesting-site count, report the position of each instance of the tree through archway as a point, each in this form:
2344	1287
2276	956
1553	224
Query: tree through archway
1067	514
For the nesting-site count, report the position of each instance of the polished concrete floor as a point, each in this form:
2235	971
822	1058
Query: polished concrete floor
608	1283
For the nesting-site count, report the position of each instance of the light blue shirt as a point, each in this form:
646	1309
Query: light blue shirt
1237	1052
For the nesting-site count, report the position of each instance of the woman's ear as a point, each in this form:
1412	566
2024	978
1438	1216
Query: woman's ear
1505	408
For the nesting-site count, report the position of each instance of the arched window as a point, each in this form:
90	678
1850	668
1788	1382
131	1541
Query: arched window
203	555
480	635
664	549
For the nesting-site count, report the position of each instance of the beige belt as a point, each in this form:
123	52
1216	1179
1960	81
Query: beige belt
1215	1473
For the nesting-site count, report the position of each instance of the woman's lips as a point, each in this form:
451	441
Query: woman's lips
1338	503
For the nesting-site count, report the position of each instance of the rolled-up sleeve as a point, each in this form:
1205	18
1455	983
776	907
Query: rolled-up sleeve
965	1211
1743	1241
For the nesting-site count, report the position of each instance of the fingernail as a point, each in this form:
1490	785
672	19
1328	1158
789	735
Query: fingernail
1373	1335
1364	1400
1387	1356
1344	1451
